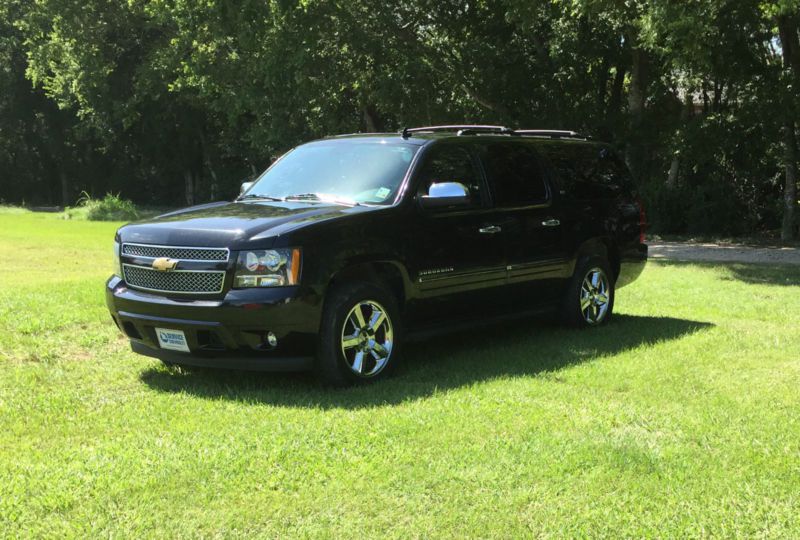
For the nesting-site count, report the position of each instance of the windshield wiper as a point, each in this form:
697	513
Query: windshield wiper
254	197
315	197
303	197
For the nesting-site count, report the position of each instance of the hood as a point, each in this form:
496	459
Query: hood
228	224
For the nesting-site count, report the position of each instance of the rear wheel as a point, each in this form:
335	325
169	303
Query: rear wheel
589	299
359	335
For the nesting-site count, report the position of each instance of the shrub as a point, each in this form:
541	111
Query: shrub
109	208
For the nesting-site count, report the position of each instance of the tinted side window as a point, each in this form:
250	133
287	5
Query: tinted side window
587	171
514	173
450	164
612	175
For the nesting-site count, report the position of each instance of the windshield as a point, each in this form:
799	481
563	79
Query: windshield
344	171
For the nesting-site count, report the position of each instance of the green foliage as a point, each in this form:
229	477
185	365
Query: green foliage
110	208
183	99
677	420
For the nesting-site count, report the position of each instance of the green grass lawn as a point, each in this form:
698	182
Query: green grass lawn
681	418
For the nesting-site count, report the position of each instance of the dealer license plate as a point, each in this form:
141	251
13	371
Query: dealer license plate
174	340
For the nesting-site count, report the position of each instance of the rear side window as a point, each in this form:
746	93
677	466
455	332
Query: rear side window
612	175
515	174
588	171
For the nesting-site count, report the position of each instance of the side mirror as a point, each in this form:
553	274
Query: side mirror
443	194
245	187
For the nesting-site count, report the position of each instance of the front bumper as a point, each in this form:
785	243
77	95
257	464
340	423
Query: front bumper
226	333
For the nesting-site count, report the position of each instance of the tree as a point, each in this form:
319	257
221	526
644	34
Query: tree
174	102
786	17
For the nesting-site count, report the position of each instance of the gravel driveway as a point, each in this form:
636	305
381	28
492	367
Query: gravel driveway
710	252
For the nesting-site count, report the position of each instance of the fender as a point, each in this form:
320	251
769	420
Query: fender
603	245
381	268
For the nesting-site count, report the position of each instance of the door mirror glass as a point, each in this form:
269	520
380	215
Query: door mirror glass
245	187
441	194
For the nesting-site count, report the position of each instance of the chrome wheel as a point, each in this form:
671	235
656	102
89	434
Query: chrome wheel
367	338
595	297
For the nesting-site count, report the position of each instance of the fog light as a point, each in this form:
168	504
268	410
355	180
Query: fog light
272	339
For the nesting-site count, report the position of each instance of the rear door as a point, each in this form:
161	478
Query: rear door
536	257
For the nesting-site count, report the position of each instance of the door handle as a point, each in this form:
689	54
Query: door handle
490	229
551	223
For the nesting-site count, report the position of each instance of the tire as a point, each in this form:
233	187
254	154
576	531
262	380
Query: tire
589	298
353	350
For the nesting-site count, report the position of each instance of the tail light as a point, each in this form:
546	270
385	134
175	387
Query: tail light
642	221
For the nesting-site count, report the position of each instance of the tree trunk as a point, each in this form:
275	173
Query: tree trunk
675	164
62	175
610	129
790	45
615	100
674	168
602	83
214	187
636	98
790	188
498	108
718	87
636	94
706	100
544	57
370	119
188	178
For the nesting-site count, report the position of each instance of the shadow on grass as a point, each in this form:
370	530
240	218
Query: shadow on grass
762	273
767	274
522	348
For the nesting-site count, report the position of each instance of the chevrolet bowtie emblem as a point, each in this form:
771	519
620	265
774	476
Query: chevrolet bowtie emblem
163	264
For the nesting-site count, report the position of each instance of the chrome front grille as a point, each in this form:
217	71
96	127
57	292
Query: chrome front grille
176	281
172	252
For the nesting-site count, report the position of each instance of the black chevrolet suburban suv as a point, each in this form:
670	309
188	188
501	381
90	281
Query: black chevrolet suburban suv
349	245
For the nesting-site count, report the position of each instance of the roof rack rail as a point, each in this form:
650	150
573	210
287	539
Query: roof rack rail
479	129
467	129
461	129
552	133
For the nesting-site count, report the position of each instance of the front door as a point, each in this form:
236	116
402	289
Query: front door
457	253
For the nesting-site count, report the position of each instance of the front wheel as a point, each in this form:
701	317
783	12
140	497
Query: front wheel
359	335
589	299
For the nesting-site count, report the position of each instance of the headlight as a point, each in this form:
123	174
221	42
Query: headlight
117	266
267	268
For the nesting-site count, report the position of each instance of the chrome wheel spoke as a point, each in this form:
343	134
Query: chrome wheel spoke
381	350
376	320
358	362
348	342
357	317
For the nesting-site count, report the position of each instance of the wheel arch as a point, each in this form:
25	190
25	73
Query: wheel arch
603	246
387	273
